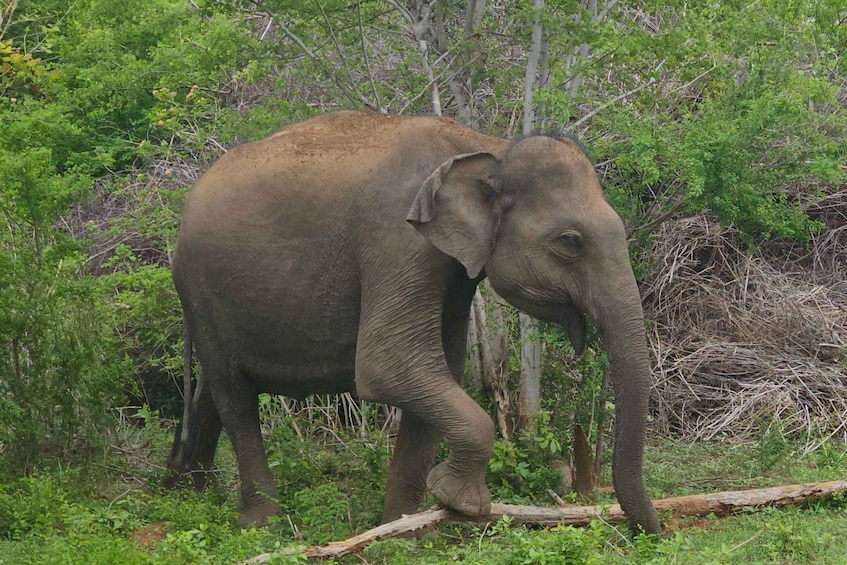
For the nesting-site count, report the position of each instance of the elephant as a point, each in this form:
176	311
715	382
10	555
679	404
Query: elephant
342	253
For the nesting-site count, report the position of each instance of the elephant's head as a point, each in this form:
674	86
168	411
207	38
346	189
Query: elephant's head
536	221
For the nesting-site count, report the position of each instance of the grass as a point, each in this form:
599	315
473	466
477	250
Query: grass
113	511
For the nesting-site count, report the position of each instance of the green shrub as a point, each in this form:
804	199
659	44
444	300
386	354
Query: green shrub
57	374
521	468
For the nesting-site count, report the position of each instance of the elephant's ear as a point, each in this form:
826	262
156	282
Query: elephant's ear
455	209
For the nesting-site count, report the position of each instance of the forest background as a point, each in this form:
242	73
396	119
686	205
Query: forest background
718	129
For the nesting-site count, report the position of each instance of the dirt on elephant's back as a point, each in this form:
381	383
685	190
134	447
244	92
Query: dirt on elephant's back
349	132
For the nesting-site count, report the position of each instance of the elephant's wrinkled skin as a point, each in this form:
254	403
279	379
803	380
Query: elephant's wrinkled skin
342	253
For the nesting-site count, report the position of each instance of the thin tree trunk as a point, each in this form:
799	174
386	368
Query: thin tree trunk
583	466
419	18
530	399
600	448
461	86
543	78
582	52
430	76
530	389
492	351
531	78
475	350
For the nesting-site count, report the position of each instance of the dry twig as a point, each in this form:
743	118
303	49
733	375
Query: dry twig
742	339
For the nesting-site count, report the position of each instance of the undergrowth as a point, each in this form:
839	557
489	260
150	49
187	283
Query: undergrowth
331	486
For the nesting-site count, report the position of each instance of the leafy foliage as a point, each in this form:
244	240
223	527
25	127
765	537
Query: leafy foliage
739	117
109	111
84	96
56	350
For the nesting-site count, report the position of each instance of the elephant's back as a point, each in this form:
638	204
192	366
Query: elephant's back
328	168
353	133
315	193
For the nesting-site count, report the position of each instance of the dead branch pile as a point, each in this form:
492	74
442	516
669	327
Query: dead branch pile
742	340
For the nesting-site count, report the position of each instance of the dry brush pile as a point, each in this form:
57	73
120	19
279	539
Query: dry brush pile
742	339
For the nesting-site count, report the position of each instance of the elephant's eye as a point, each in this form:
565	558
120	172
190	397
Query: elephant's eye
569	245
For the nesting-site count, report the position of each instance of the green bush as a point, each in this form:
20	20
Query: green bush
57	373
521	469
77	100
147	325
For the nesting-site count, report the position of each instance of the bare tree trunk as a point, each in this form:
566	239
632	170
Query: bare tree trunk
543	78
475	350
531	78
461	86
583	465
473	15
583	52
530	388
530	399
600	447
491	344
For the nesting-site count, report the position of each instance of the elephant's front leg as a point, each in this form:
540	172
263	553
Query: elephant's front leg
407	374
459	481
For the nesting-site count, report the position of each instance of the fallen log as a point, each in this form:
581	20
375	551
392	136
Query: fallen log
718	503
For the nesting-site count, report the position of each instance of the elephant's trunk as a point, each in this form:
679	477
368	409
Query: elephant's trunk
621	321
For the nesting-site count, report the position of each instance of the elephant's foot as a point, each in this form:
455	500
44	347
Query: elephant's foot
202	479
199	480
466	493
395	509
257	515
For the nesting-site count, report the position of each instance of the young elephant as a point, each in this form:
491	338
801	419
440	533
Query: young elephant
342	254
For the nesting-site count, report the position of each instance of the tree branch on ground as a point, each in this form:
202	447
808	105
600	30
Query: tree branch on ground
717	503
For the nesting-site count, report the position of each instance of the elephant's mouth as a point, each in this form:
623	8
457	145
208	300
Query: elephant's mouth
563	312
573	321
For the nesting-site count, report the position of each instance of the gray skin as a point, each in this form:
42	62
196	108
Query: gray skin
342	254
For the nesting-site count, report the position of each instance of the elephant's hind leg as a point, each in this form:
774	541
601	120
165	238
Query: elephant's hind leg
195	454
414	455
238	405
208	434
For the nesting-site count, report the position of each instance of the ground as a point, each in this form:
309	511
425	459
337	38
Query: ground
111	509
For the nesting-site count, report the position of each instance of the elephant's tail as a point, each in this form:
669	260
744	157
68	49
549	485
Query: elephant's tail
185	438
